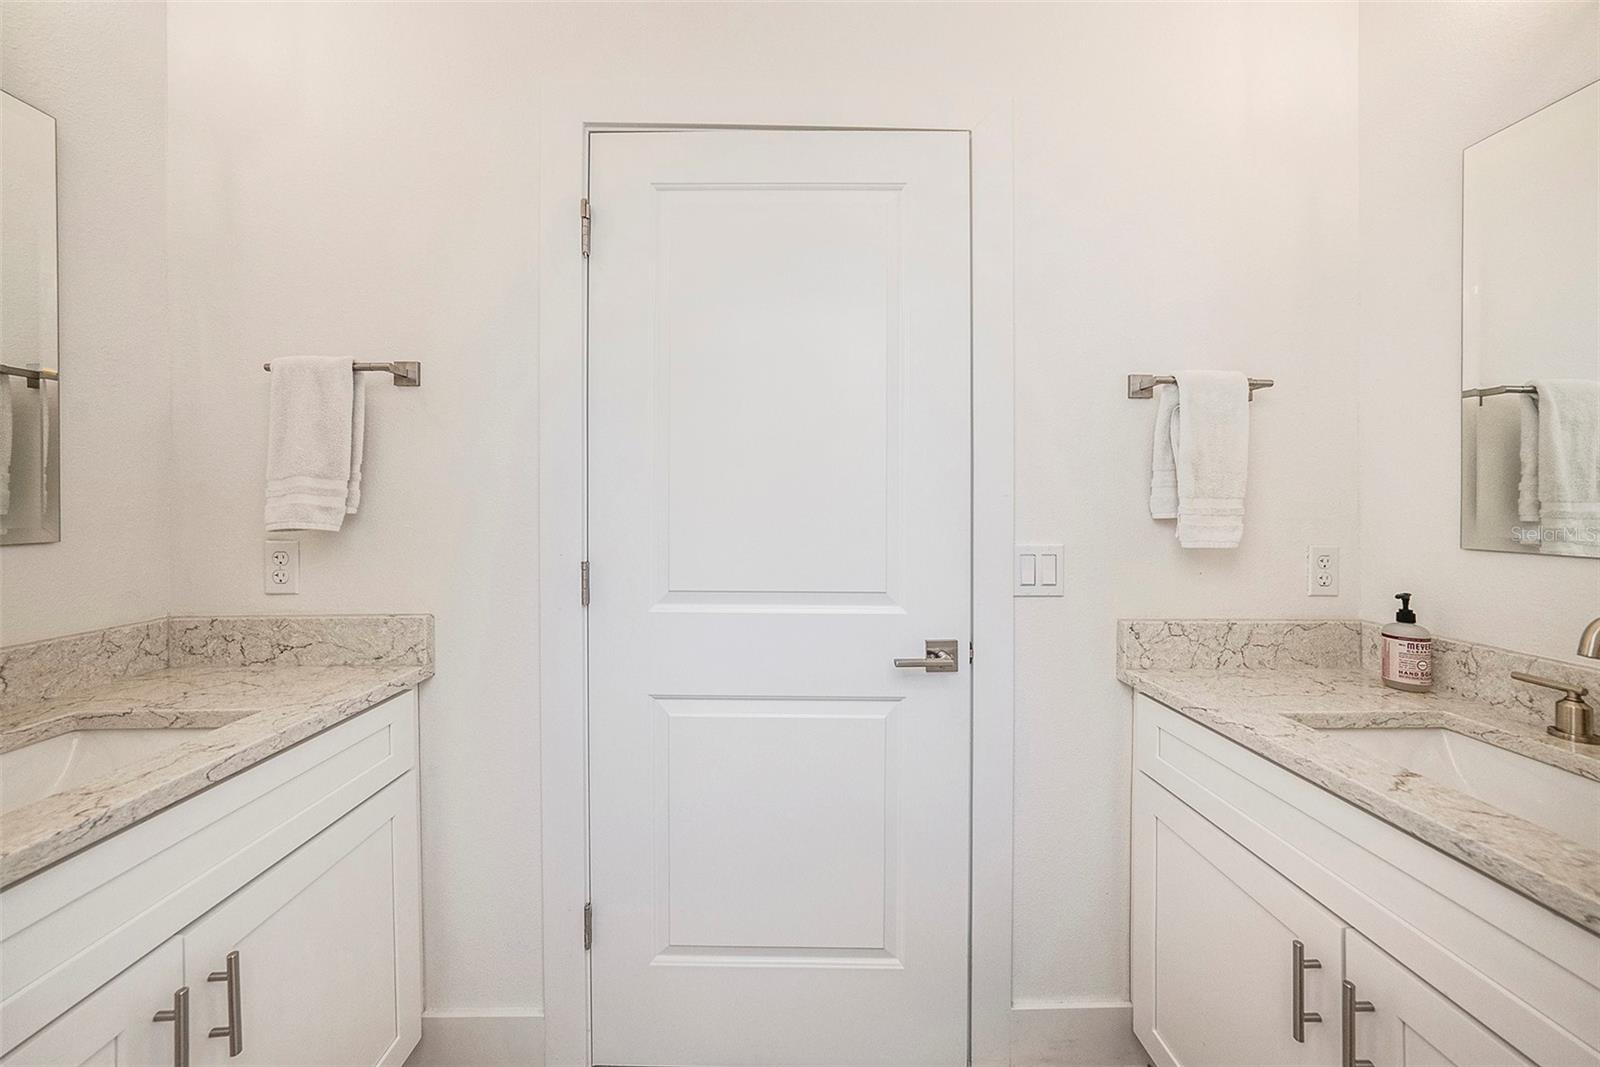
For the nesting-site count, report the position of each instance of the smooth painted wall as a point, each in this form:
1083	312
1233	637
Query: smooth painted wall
362	180
1436	78
99	69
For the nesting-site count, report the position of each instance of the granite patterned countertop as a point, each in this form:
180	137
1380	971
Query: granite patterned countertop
1290	712
256	686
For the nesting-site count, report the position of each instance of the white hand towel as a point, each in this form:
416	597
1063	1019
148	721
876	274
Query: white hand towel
1569	466
1163	459
5	445
314	443
1212	427
1528	457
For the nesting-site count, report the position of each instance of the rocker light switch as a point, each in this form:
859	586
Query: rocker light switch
1039	571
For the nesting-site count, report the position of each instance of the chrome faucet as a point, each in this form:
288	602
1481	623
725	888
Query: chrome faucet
1589	642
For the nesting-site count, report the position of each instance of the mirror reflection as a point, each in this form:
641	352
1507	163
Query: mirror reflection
1530	388
30	468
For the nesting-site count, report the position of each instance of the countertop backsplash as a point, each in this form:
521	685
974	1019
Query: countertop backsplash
43	670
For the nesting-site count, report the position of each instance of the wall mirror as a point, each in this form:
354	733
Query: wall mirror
30	424
1530	334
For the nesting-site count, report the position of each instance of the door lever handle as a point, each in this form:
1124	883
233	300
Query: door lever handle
940	658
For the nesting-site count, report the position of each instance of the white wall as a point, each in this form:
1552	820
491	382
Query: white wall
99	69
362	179
1434	79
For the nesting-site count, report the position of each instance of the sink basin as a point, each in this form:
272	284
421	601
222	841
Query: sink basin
61	763
1558	800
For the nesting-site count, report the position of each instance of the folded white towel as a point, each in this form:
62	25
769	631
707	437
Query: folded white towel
1569	466
5	446
1163	458
314	443
1212	431
1528	457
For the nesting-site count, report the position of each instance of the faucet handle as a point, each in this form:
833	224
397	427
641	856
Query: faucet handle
1574	692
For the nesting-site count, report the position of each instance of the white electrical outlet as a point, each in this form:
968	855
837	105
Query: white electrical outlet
1039	571
1322	570
280	567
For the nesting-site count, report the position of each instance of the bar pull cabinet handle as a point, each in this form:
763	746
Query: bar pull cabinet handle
1349	1006
1301	1016
234	1031
178	1016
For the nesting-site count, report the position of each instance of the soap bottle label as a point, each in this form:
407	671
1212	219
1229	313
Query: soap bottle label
1407	659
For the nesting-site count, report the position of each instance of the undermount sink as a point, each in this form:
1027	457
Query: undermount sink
1565	803
65	762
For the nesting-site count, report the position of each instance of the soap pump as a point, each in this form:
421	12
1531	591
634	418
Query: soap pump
1406	653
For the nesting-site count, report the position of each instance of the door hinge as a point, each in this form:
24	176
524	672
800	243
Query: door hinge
583	216
583	582
588	927
971	651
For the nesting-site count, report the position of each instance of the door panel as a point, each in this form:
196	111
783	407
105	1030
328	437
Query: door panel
779	431
114	1026
1411	1023
1214	935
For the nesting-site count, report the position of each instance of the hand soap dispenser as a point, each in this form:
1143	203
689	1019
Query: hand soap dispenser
1406	651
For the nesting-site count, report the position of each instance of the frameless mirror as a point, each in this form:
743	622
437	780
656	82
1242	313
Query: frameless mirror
1530	334
30	443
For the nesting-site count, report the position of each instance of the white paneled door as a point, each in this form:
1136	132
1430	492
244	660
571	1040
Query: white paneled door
779	507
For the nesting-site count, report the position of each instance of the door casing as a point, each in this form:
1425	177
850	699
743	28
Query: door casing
570	114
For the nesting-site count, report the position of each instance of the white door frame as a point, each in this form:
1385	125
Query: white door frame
570	113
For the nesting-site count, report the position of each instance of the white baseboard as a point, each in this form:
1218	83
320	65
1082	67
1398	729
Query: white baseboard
1092	1033
1043	1034
454	1040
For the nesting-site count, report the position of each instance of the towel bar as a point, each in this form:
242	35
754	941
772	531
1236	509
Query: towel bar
1497	390
34	375
406	372
1143	386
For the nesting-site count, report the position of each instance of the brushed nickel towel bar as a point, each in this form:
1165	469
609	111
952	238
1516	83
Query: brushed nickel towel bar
1143	386
1497	390
407	372
33	374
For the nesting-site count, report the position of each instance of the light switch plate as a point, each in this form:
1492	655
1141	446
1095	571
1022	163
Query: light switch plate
1039	570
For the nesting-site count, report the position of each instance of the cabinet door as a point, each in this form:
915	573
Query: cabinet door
1214	933
1411	1024
115	1025
325	974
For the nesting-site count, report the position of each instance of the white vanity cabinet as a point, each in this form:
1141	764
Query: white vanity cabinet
1222	930
1235	860
304	869
1411	1024
321	967
115	1026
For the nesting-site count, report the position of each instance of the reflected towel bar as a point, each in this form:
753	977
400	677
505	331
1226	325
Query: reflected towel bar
33	374
1498	390
1142	386
406	371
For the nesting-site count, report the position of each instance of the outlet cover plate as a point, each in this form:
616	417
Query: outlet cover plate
280	567
1322	570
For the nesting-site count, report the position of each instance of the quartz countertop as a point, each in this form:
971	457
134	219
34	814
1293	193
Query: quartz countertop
251	712
1290	715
